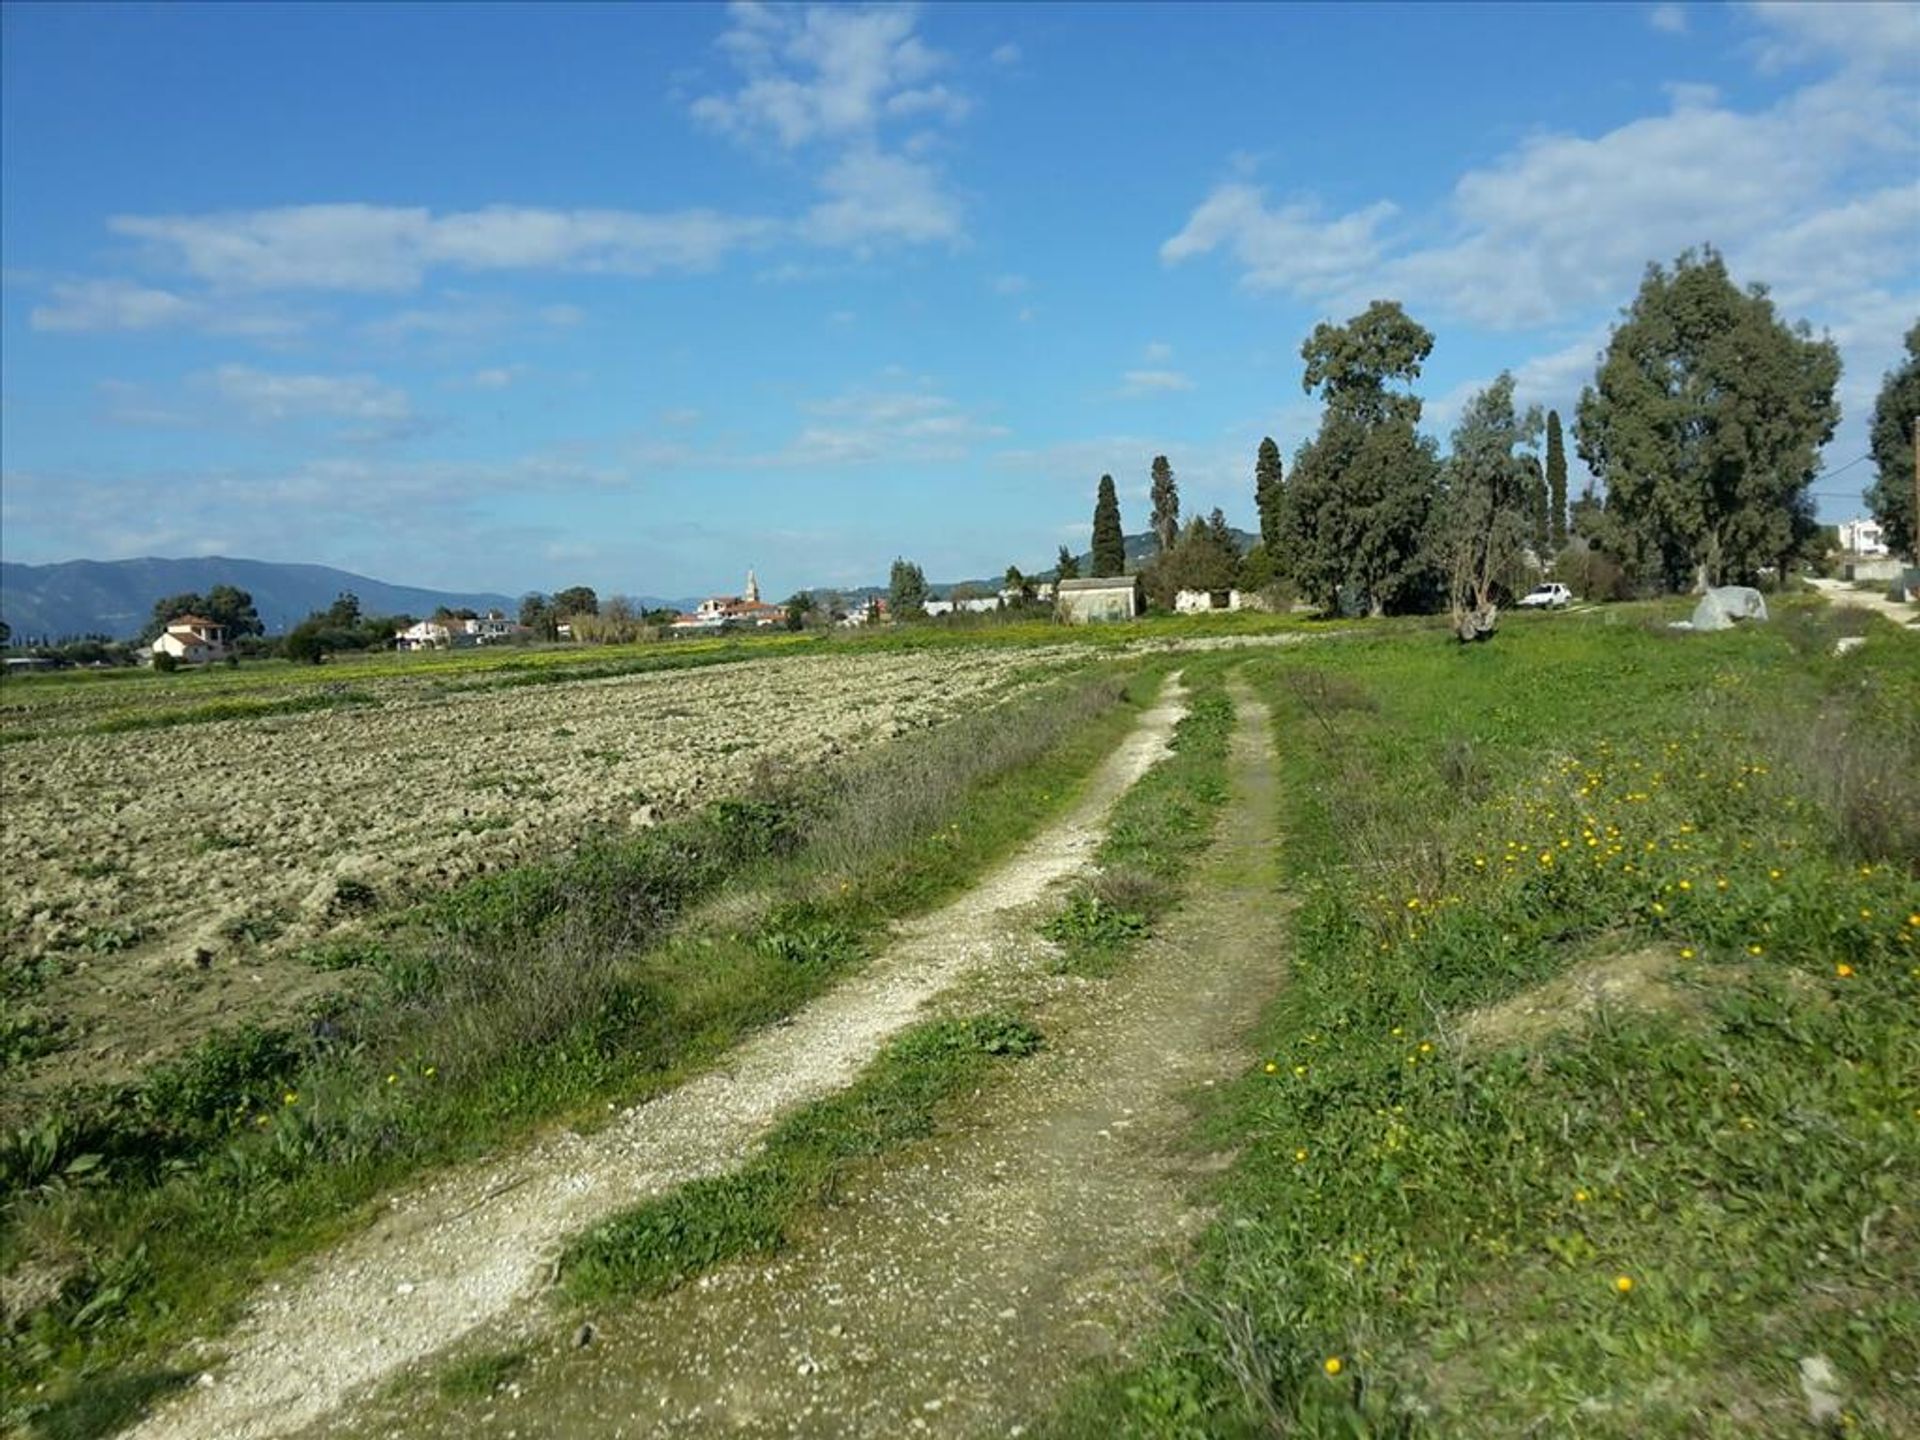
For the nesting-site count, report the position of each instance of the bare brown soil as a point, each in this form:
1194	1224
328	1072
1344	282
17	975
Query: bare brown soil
162	883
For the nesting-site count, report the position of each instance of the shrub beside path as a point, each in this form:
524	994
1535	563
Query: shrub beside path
482	1241
961	1286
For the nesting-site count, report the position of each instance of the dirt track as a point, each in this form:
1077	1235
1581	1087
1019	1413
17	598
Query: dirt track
966	1282
1839	593
479	1243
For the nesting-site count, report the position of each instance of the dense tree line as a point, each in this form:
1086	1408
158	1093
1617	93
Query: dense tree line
1702	428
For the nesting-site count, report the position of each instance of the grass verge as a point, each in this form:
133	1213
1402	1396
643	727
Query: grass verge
144	1214
1157	831
670	1240
1592	1105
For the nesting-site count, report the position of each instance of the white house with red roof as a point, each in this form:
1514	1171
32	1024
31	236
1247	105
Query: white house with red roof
193	640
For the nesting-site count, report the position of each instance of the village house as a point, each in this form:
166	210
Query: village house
193	640
493	628
1864	538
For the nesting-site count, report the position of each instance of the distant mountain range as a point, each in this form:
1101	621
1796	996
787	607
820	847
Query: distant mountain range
116	597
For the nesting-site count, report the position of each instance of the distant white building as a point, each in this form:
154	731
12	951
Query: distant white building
1194	602
1083	602
1863	537
193	640
493	628
977	605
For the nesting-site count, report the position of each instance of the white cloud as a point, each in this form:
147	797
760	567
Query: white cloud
877	197
114	305
1669	19
1290	248
862	426
1866	36
376	248
1007	53
127	403
825	74
1010	284
95	305
1812	194
835	77
265	397
1153	382
495	377
562	316
1156	352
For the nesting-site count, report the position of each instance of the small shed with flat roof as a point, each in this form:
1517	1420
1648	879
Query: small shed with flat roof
1105	597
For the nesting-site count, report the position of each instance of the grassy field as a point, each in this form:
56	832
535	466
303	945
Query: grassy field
141	1213
1592	1102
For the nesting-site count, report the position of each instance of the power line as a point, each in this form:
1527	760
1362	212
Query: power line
1858	459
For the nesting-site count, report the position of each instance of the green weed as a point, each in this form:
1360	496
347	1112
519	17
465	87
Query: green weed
665	1242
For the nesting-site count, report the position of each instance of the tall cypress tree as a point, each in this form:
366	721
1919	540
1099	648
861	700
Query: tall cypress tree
1539	522
1166	504
1269	494
1556	484
1109	541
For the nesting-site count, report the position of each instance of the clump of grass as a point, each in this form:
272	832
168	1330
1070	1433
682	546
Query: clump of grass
477	1376
1090	922
1156	830
665	1242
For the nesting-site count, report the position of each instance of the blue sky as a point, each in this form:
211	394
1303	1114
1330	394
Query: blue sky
514	298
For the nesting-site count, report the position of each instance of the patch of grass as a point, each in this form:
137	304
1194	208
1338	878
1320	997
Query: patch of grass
1634	1225
478	1376
666	1242
110	939
1158	829
533	993
26	1034
231	708
96	1409
1089	922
